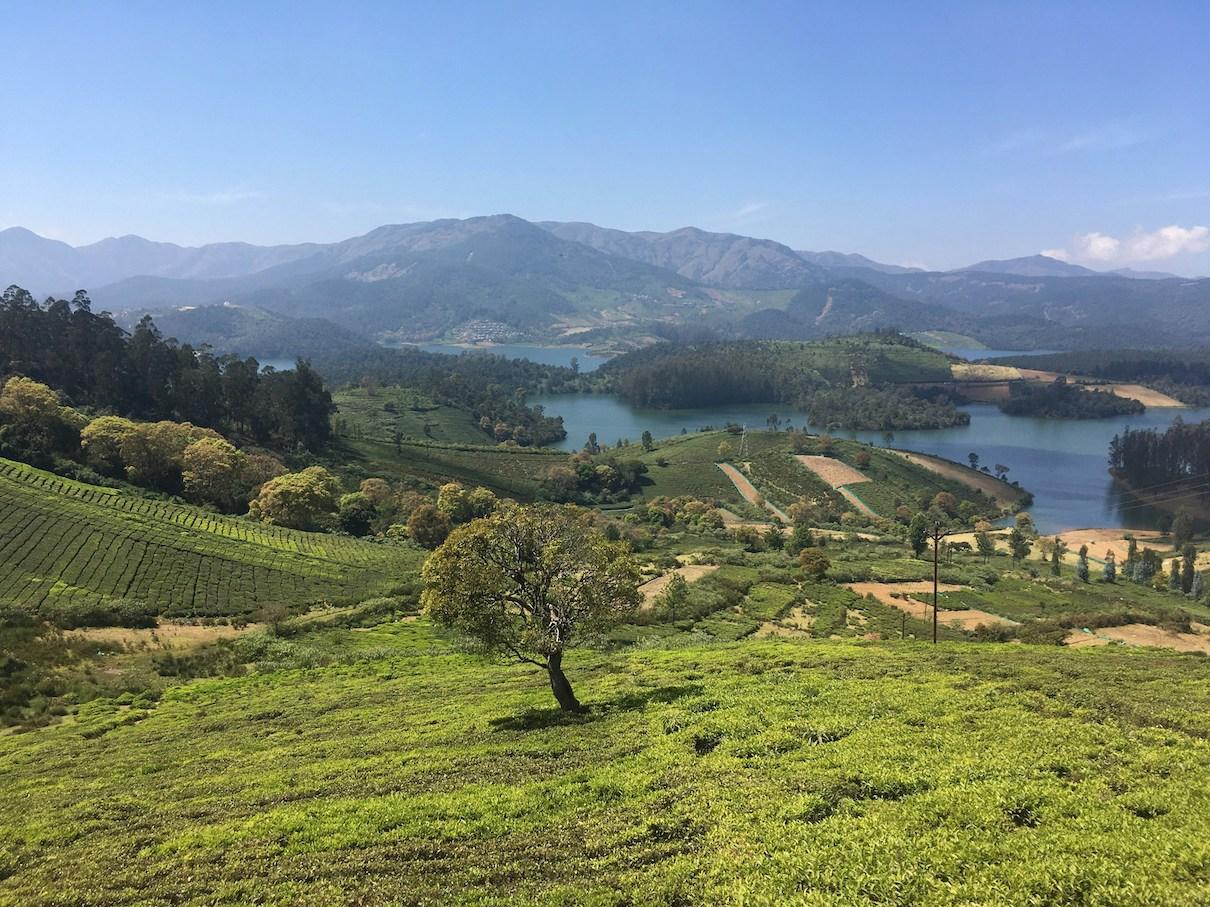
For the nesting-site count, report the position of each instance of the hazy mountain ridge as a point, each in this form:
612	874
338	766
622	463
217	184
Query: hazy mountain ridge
724	260
543	281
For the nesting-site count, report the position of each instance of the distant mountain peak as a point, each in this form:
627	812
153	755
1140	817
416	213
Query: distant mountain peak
848	260
1031	266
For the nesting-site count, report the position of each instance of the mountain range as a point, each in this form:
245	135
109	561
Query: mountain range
502	277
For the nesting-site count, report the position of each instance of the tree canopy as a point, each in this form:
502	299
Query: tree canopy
527	582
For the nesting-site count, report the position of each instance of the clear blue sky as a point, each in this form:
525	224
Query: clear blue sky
921	133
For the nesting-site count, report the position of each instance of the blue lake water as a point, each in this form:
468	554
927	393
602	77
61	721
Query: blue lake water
1063	462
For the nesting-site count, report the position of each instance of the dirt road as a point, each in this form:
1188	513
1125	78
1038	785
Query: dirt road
749	493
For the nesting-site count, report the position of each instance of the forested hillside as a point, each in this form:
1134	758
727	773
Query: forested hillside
846	382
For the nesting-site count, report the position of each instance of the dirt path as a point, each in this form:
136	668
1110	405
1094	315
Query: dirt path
651	589
971	478
749	493
966	618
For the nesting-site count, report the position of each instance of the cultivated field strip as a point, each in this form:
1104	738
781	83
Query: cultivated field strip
66	540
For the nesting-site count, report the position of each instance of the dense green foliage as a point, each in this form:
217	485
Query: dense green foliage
1060	400
94	363
845	382
883	408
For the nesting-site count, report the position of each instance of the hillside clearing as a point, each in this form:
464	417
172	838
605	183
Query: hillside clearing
832	471
1142	635
888	594
651	589
1146	395
972	478
167	635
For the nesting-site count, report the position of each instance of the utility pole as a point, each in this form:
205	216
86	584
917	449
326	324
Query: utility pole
936	535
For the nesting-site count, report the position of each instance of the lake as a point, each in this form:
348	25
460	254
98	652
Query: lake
1062	462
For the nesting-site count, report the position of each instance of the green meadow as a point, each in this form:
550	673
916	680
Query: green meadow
393	770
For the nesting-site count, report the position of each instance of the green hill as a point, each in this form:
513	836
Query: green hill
65	543
766	772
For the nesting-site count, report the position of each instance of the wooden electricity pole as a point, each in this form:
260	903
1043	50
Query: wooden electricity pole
936	535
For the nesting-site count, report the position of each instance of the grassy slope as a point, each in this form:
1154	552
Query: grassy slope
379	414
71	540
513	471
756	772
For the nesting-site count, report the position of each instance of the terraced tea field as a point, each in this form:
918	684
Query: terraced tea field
67	540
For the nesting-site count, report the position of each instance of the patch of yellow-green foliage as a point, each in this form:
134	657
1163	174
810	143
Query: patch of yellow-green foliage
757	772
63	540
510	471
381	413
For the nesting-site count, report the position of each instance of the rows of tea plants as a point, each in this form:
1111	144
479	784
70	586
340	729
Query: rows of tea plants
62	540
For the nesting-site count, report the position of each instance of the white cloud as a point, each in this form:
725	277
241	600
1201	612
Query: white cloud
1110	136
1166	242
748	213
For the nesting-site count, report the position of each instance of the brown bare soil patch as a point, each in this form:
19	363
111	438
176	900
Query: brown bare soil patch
1099	541
1141	635
732	521
166	636
971	478
833	472
966	618
651	589
1145	395
968	371
796	623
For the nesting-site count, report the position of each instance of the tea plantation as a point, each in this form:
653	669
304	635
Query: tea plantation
760	772
63	541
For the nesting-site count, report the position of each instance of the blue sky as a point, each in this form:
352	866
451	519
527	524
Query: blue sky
934	134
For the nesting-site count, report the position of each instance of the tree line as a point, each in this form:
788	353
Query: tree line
1060	400
94	363
1147	457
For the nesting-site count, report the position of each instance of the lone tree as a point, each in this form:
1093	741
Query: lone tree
524	582
918	532
1082	564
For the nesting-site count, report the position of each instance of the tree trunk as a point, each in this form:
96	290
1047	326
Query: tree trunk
559	684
